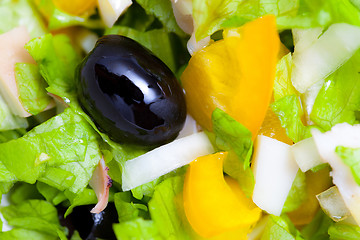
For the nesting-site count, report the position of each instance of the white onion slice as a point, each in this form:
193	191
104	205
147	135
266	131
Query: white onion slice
183	14
12	51
110	10
274	172
348	136
333	205
190	127
319	60
194	46
164	159
306	154
304	38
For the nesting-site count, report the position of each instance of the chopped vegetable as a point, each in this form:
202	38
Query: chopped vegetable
333	204
227	76
348	136
75	7
12	48
274	170
320	59
164	159
205	188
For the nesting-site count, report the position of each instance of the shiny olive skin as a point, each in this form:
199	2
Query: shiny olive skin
90	226
129	93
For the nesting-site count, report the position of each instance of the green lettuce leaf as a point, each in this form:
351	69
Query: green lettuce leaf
136	18
51	194
297	194
66	142
86	197
317	229
137	229
351	157
22	192
162	9
57	60
290	113
165	209
340	231
211	16
280	228
158	41
58	19
233	137
6	136
339	98
282	83
31	87
146	190
21	233
21	13
127	209
35	215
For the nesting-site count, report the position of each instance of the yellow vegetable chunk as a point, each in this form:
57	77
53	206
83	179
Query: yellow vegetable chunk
213	206
235	74
75	7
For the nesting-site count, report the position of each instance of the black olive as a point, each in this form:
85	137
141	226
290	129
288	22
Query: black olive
129	93
90	226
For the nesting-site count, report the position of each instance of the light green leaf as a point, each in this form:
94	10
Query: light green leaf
21	234
66	141
137	229
22	192
126	208
86	197
233	137
162	9
31	87
210	15
340	231
57	61
35	215
165	211
282	84
51	194
297	194
339	98
21	13
290	113
280	228
351	157
317	229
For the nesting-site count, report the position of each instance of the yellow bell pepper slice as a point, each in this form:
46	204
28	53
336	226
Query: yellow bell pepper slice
75	7
235	74
213	205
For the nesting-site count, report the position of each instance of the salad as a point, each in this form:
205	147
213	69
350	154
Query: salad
181	119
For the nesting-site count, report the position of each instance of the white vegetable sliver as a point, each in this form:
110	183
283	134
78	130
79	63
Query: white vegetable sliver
304	38
274	172
333	204
164	159
306	154
348	136
319	60
110	10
